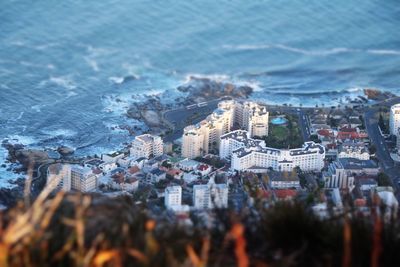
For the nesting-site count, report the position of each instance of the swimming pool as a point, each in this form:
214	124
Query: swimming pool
279	121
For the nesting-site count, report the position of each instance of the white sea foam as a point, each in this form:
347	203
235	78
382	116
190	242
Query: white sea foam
92	63
246	47
223	78
323	52
71	94
19	116
132	70
60	132
63	81
117	80
214	77
384	52
37	108
45	46
21	139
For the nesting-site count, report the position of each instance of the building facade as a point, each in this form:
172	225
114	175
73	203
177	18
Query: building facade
83	179
211	195
147	146
249	154
59	177
394	119
203	137
353	150
173	197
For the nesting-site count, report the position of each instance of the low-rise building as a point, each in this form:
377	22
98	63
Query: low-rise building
283	180
157	175
173	197
353	150
211	195
112	157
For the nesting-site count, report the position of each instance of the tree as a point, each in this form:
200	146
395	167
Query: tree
383	179
381	123
372	149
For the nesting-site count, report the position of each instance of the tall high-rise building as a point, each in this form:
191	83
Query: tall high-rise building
83	179
147	146
394	119
192	143
248	115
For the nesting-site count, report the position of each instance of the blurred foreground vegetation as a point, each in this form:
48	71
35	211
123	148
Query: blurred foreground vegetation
92	230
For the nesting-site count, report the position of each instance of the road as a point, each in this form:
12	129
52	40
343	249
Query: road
382	152
303	118
179	118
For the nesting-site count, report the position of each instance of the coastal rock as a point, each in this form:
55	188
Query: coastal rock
12	150
65	151
31	157
210	89
151	117
9	197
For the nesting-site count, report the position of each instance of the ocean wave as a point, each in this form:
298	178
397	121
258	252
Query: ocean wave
324	52
37	108
383	51
92	63
71	94
20	115
275	91
121	80
60	133
214	77
223	78
34	65
20	139
63	81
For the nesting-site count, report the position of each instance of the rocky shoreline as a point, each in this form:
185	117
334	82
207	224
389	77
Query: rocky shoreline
150	112
197	90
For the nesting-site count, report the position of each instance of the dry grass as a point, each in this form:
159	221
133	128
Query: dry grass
88	230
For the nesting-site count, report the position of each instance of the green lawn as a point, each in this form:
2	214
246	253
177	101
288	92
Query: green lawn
285	136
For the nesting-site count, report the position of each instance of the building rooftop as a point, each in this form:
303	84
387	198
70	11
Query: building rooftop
352	163
157	172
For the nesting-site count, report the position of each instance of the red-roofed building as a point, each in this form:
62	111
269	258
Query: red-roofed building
204	169
175	173
285	194
133	170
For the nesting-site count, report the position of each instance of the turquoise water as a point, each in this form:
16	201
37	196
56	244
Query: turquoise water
279	121
68	69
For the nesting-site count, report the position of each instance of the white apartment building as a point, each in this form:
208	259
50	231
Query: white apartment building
173	197
208	196
112	157
192	143
252	155
235	140
353	150
200	138
83	179
254	118
394	119
338	177
147	146
59	177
